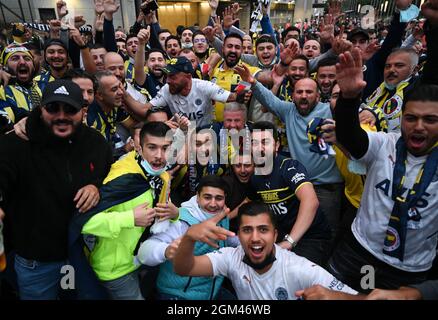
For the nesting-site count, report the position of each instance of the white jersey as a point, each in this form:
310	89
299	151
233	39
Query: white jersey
370	225
288	274
197	105
135	94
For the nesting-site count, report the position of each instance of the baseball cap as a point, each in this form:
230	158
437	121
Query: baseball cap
179	64
65	91
357	31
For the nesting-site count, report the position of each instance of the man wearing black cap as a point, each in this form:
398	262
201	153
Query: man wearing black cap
56	57
43	181
190	96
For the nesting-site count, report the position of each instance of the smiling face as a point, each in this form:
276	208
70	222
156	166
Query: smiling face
297	70
419	126
156	63
98	57
266	53
325	77
56	57
173	48
211	199
61	119
244	168
200	44
257	236
311	49
232	50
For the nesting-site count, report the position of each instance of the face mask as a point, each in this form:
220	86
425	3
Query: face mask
259	266
187	45
149	169
390	86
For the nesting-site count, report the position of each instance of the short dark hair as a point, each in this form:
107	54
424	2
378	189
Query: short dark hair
266	125
155	129
212	181
254	208
158	109
97	46
170	38
421	92
163	30
129	36
291	28
327	62
233	35
81	74
198	33
304	58
155	50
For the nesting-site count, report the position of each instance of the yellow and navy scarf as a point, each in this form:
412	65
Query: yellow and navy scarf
404	210
382	100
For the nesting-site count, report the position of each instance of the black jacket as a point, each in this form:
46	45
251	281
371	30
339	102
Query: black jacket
38	181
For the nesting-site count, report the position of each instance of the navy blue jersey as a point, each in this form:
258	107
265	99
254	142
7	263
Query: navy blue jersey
278	191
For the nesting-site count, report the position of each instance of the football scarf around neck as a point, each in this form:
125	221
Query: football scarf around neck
404	208
391	105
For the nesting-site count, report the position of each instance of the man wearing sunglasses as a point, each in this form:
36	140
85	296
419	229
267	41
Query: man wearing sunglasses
43	181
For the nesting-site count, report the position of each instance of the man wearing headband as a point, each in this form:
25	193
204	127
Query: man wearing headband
21	95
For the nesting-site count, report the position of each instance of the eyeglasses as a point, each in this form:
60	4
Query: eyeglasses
200	40
54	108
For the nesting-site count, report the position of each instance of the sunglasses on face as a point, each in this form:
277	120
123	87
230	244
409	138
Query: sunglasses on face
54	108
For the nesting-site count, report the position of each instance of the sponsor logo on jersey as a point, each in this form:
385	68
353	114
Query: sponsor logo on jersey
298	177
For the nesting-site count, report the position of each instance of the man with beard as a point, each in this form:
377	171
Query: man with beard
56	57
21	95
223	74
258	261
152	81
283	184
396	224
122	220
163	34
160	248
323	173
72	161
325	77
173	46
192	97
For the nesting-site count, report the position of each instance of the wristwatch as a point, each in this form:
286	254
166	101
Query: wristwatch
289	239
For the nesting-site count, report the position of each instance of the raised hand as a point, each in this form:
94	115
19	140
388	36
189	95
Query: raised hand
75	35
289	53
143	36
244	73
349	74
370	50
98	7
327	32
55	28
229	18
277	79
110	7
209	33
213	4
98	24
78	21
208	231
61	9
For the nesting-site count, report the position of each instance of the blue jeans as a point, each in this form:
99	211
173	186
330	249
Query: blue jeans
126	287
38	280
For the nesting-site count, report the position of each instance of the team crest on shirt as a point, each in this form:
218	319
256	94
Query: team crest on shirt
393	106
392	239
281	293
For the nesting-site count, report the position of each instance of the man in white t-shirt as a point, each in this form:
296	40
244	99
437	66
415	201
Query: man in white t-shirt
395	231
192	97
258	268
